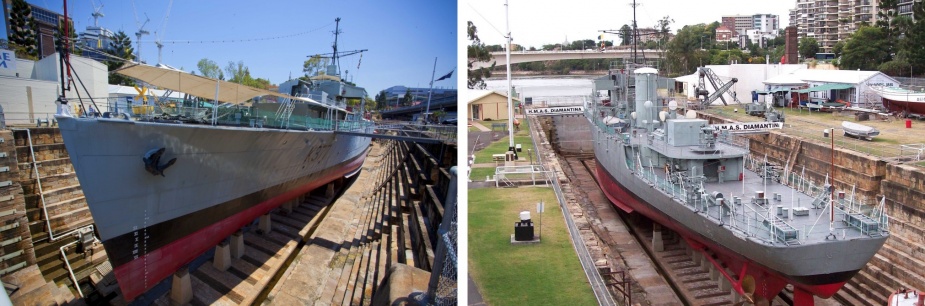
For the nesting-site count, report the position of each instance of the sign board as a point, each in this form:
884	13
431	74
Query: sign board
540	207
747	126
562	110
7	62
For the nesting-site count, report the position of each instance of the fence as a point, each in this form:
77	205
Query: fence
443	287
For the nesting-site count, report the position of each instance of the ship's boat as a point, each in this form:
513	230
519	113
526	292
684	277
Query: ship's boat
859	130
757	222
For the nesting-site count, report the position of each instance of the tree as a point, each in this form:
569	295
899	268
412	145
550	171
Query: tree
210	69
888	10
626	35
371	104
476	52
684	54
72	34
808	47
866	49
911	47
838	48
315	65
406	101
22	30
121	47
237	72
380	100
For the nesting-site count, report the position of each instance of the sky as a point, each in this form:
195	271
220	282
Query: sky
534	23
403	37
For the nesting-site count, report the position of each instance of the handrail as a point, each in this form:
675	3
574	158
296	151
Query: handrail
38	179
598	286
69	269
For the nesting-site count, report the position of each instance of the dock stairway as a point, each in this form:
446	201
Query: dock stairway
55	208
377	224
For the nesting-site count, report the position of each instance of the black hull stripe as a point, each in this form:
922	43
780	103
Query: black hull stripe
120	249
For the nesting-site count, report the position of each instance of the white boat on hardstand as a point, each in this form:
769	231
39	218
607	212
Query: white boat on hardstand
859	130
899	99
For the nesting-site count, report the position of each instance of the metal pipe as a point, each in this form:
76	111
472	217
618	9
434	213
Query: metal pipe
38	179
69	270
509	92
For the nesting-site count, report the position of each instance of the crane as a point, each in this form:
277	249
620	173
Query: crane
141	31
97	13
718	84
160	34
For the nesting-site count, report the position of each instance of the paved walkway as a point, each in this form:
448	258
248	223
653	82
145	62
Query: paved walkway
475	297
479	126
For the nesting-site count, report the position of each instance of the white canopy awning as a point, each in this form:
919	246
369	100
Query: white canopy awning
197	85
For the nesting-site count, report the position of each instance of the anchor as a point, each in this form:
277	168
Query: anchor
152	161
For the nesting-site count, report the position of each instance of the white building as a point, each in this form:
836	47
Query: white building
750	78
766	22
28	89
856	85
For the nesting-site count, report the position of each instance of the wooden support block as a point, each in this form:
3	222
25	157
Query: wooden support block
264	226
222	259
237	245
329	190
181	290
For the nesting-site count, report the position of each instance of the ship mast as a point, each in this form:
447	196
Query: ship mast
335	60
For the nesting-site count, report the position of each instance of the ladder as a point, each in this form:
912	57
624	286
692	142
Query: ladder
285	112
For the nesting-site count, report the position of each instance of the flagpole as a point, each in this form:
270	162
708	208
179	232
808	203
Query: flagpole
431	93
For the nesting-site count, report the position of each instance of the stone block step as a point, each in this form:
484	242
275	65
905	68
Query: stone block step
57	208
845	298
862	285
856	294
71	220
52	181
884	282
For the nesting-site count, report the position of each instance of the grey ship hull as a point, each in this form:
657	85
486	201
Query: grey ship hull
820	268
223	178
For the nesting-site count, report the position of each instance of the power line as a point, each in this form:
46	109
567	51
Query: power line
486	20
238	40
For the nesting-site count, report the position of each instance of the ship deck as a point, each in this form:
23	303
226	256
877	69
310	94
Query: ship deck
786	207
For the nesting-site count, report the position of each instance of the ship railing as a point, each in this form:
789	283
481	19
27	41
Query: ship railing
753	223
758	225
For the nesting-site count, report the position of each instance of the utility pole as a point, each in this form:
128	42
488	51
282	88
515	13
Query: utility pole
510	103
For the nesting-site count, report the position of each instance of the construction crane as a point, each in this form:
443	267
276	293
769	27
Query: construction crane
97	13
718	84
141	31
160	34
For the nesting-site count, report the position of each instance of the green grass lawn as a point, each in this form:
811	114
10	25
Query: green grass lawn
478	174
547	273
521	137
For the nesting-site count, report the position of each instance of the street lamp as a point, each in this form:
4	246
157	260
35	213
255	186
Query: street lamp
830	132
